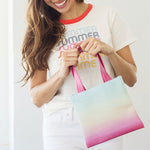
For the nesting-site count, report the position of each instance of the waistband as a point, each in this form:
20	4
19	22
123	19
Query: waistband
55	106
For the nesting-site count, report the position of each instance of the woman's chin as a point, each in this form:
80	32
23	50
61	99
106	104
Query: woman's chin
63	8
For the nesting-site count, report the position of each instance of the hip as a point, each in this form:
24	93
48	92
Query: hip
65	123
62	122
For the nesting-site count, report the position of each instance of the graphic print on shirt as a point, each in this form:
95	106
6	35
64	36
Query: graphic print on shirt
76	36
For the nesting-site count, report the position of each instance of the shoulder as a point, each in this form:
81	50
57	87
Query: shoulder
105	9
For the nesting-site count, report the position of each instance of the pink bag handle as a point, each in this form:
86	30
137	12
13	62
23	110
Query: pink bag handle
79	85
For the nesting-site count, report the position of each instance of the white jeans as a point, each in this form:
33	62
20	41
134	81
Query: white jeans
62	131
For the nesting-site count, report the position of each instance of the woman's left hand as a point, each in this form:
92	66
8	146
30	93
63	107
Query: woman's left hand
93	46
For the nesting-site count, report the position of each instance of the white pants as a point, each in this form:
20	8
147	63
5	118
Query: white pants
62	131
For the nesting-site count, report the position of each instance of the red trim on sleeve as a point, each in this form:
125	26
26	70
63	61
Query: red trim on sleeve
70	21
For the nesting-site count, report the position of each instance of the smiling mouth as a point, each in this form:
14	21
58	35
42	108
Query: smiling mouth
61	4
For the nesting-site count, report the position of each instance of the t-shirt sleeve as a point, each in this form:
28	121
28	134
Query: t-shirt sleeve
121	34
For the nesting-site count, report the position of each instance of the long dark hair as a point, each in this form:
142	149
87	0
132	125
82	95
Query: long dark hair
44	30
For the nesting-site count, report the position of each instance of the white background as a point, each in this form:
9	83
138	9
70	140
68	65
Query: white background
20	120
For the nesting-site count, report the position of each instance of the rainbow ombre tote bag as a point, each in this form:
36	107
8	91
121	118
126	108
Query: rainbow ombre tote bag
104	111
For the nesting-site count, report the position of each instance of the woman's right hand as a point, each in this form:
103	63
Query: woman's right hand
69	58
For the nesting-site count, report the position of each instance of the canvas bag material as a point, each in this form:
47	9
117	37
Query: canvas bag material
104	111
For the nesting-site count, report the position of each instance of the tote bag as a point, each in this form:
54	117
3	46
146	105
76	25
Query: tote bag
104	111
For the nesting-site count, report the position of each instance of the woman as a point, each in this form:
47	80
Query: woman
55	29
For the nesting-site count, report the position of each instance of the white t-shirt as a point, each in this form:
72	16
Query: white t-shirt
101	22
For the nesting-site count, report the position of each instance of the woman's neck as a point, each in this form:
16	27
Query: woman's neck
77	10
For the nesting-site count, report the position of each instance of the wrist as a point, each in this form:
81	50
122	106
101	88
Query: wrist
60	75
112	52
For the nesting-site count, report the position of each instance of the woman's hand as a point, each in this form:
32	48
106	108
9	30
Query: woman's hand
93	46
69	58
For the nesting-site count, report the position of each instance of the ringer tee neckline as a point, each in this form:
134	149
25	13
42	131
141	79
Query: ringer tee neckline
71	21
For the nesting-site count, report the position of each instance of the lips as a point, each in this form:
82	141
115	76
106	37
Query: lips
61	4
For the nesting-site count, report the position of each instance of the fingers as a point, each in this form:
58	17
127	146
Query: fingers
70	57
92	48
89	45
68	61
75	46
72	52
84	44
71	63
78	44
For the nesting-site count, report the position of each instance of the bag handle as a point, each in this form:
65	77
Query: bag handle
79	85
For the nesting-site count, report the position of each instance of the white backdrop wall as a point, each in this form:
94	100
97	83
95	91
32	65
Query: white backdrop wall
27	118
4	76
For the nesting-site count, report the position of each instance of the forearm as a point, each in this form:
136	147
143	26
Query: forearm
123	68
44	92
